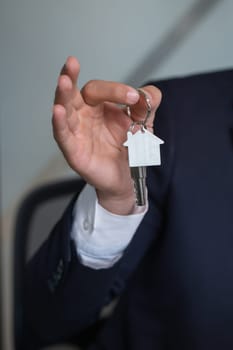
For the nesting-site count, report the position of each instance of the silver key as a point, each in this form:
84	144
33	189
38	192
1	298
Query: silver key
138	175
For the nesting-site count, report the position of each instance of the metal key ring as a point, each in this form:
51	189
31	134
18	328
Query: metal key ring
141	123
148	109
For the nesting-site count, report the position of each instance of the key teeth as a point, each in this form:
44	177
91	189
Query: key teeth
140	192
139	178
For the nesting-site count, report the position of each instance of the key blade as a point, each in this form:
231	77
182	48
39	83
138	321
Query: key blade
138	175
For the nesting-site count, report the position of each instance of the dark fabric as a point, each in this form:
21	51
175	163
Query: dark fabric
175	279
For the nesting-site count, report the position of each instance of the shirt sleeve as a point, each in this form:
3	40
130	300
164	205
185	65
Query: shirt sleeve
100	236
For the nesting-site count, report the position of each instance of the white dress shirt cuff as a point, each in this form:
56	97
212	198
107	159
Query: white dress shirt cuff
99	235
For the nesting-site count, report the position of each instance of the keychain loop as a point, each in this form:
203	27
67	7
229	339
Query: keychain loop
141	123
148	105
148	111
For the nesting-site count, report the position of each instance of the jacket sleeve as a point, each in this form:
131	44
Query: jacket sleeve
64	298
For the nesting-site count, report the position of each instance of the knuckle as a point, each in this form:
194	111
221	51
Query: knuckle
89	89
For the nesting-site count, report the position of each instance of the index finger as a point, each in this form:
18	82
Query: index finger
71	68
66	91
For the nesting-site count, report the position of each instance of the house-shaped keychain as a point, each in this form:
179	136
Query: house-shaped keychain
143	148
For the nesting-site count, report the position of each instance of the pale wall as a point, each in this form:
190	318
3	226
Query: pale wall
111	39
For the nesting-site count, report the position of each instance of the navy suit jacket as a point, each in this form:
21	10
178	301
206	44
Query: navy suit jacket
174	282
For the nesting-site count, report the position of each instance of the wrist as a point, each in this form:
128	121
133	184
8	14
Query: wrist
123	204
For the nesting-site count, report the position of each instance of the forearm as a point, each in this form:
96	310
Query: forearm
64	297
60	307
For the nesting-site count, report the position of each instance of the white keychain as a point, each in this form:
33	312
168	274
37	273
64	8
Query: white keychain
143	148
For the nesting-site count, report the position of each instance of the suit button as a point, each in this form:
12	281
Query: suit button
59	272
56	277
60	267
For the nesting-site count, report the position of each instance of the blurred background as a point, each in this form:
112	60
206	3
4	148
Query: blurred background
125	40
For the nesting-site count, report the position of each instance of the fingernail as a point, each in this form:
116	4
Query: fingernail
132	96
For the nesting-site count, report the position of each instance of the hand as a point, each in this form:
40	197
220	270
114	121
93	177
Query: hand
90	130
